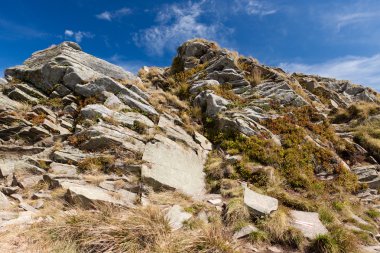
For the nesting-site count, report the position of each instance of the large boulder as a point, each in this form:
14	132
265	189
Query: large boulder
174	166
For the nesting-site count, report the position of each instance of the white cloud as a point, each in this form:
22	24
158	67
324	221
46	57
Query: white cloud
78	36
176	24
254	7
111	15
362	70
69	33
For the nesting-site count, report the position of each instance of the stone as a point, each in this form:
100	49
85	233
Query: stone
3	81
259	204
63	169
4	202
198	86
6	215
9	190
245	231
8	104
273	249
41	195
213	104
112	101
136	104
89	196
176	217
53	128
27	207
68	156
215	202
308	223
22	219
42	110
65	64
28	89
21	96
27	182
34	133
6	169
95	111
103	136
174	166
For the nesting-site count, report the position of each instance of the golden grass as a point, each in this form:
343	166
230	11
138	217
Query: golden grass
111	229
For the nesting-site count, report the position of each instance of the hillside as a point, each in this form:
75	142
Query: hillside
215	153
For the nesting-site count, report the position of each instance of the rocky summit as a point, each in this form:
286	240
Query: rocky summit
215	153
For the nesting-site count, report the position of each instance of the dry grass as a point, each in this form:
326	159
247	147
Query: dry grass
96	164
236	213
144	229
254	77
279	230
358	111
368	136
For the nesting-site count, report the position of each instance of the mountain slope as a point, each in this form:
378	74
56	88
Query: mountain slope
216	153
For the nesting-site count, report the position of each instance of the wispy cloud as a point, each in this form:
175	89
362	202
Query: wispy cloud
254	7
127	65
362	70
360	15
13	30
177	23
111	15
79	35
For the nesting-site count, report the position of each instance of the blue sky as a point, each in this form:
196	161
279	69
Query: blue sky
339	38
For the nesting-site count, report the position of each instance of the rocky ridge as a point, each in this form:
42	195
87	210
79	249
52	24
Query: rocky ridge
233	142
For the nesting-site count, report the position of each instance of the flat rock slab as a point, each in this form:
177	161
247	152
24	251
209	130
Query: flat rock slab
175	166
245	231
308	223
89	196
259	204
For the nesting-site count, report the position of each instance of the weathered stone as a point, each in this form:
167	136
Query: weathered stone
89	196
198	86
177	217
103	136
95	111
70	156
259	204
4	202
28	89
34	133
22	219
42	110
27	182
308	223
65	64
62	169
174	166
133	103
211	102
6	169
3	81
21	96
245	231
53	128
